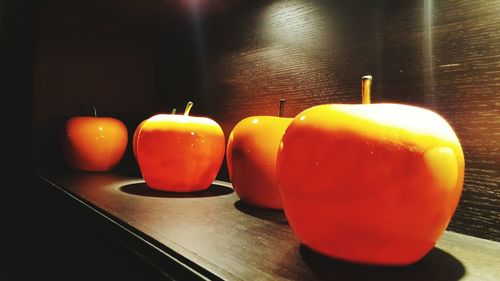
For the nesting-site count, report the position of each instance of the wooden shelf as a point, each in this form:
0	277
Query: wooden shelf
212	235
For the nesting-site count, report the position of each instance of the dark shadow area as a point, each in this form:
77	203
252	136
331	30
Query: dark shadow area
277	216
142	189
436	265
49	239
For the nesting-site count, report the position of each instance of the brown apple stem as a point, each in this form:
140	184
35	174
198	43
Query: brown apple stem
174	110
366	85
188	108
95	111
281	109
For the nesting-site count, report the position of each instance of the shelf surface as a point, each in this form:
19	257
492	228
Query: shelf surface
213	235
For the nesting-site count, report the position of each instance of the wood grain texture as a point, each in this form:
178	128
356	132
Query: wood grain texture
225	239
442	55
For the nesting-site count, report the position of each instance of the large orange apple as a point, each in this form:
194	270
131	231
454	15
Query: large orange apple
370	183
94	143
179	153
251	158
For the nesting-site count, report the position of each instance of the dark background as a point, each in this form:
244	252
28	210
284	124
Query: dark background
132	59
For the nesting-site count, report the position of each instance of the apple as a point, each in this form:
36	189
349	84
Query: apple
251	158
370	183
94	143
179	153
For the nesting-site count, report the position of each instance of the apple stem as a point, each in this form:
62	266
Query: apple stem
95	111
366	85
281	109
188	108
174	110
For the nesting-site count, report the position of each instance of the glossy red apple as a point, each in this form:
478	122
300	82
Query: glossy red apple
179	153
94	143
370	183
251	158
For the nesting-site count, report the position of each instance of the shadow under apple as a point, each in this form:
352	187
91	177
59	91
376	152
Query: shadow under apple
141	189
436	265
274	215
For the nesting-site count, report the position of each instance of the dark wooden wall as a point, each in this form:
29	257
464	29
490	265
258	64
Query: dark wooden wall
236	60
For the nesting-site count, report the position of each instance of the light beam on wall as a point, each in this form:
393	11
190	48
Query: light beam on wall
296	23
428	54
